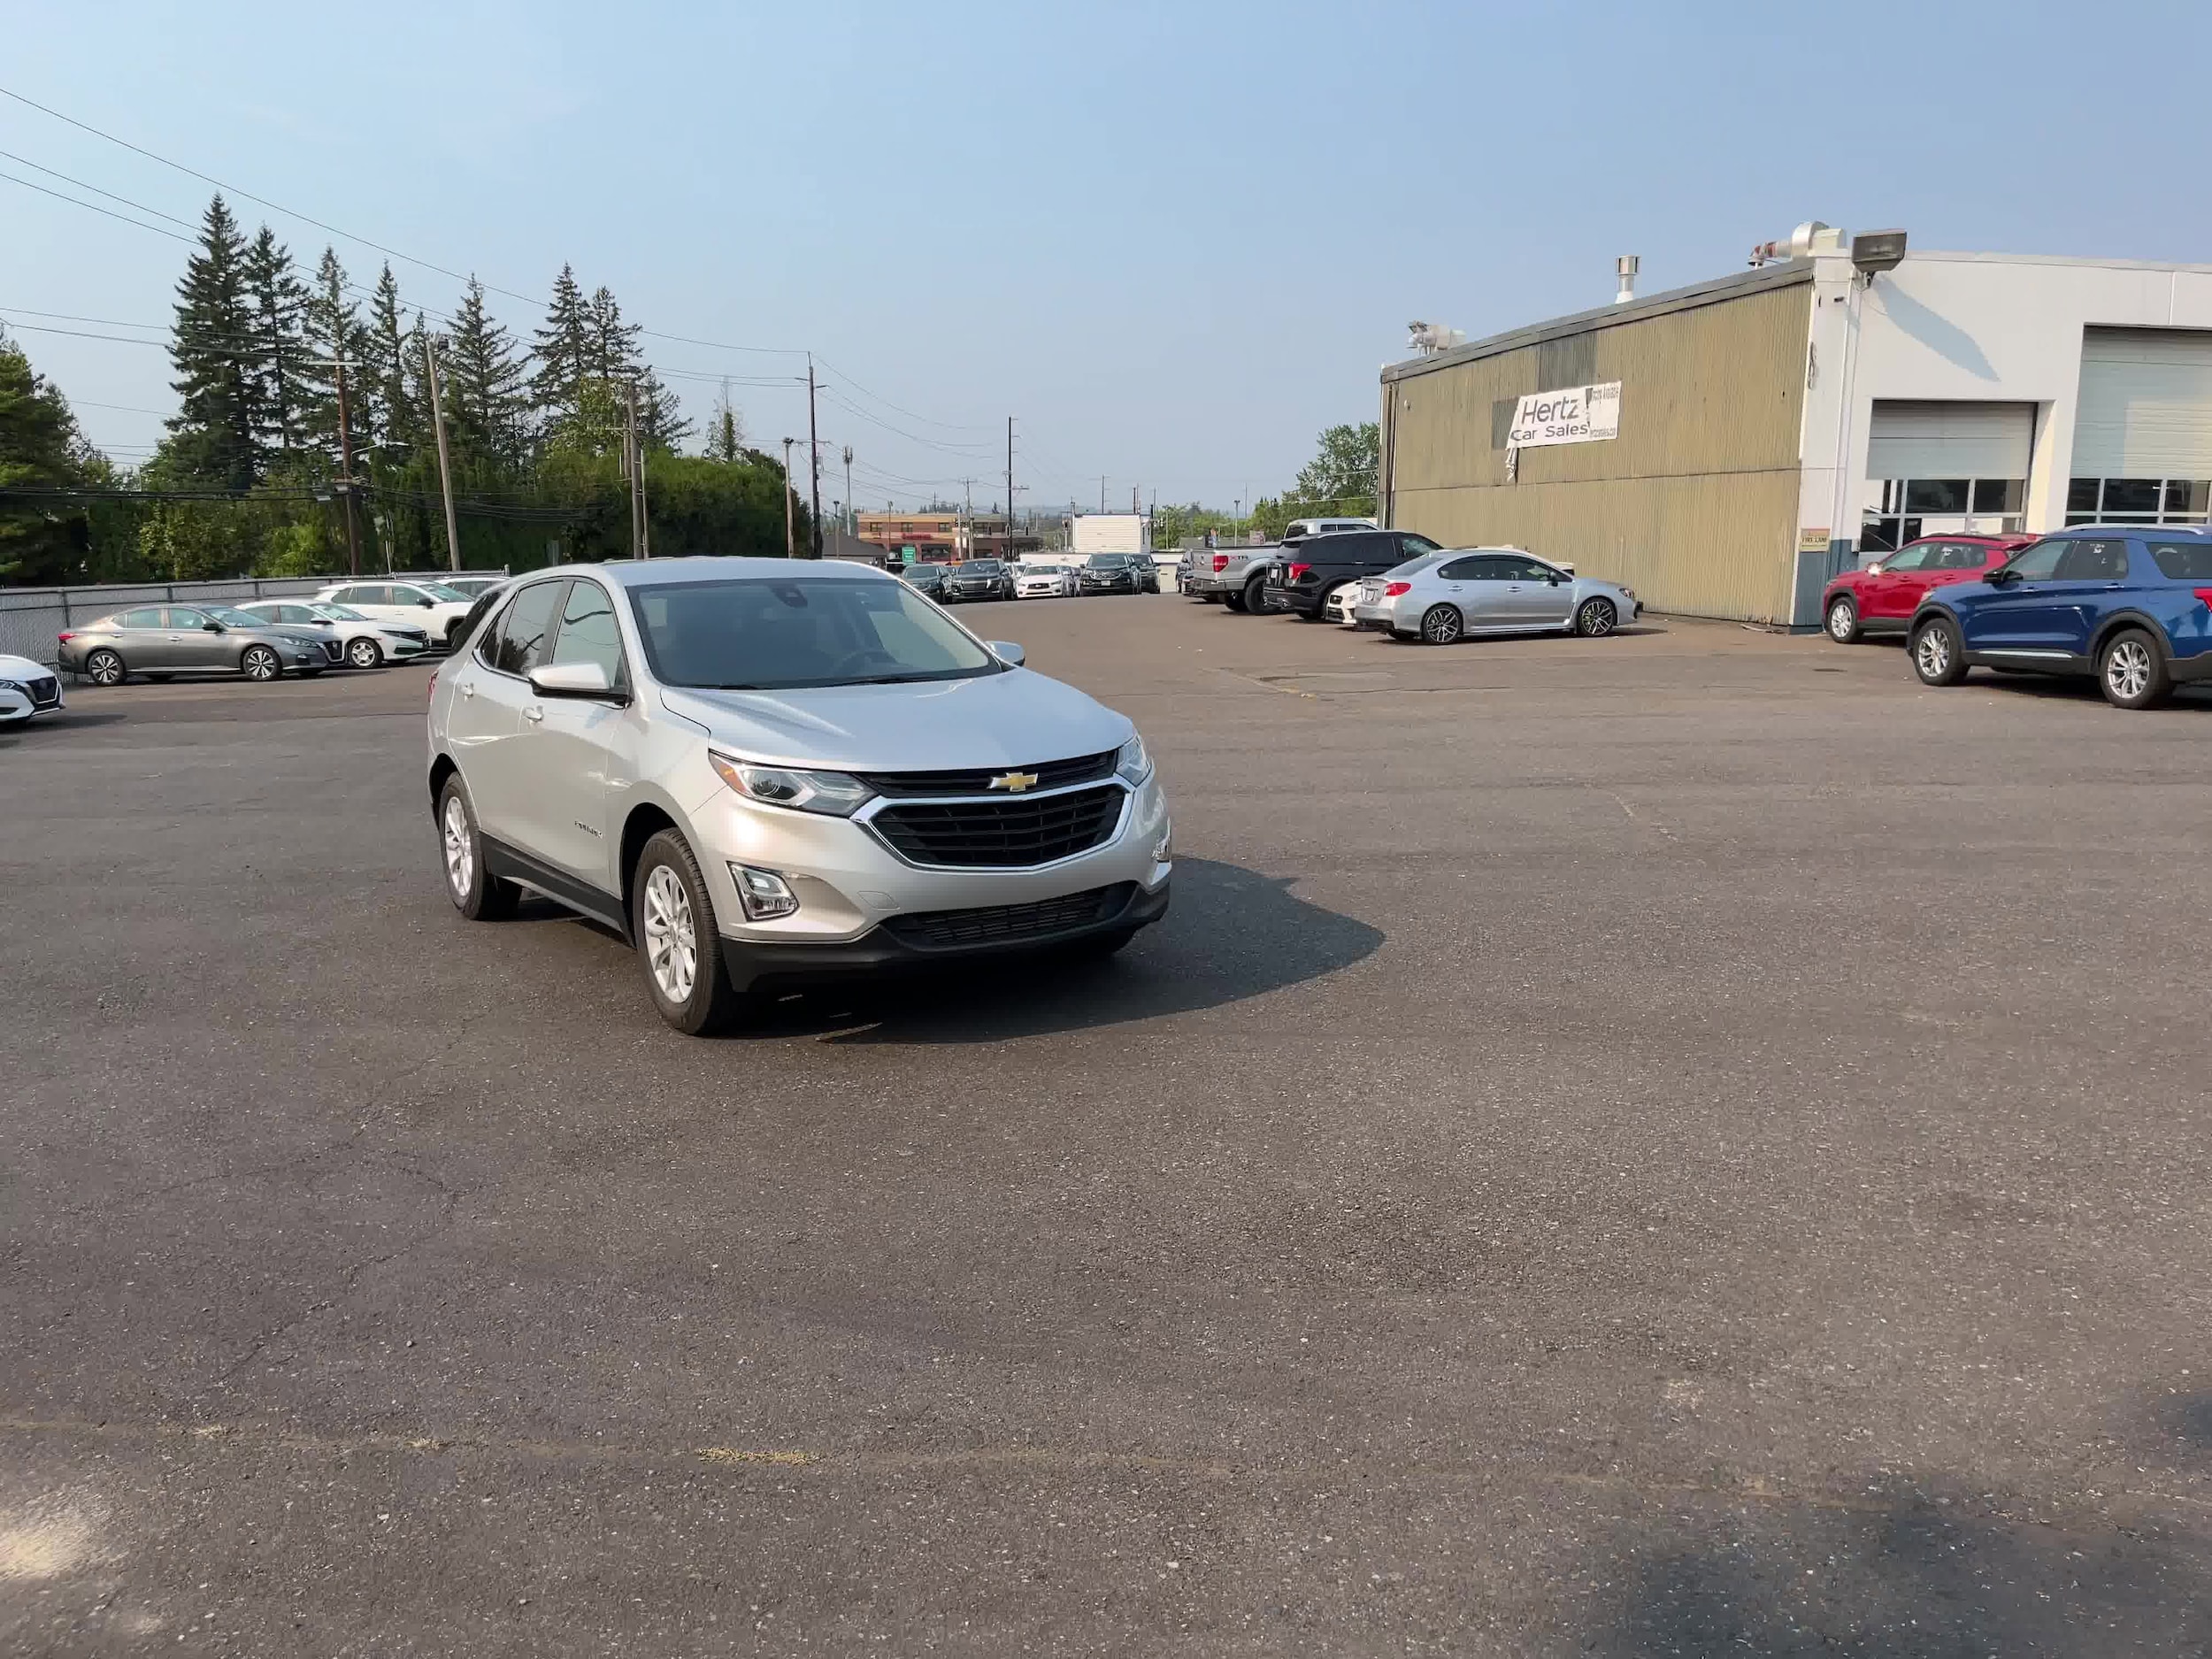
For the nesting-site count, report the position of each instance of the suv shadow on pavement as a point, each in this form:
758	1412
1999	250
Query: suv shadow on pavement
1231	933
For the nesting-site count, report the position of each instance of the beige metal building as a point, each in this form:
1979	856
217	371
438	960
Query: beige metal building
1742	440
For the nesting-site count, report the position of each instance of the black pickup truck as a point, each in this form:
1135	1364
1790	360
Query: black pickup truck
1304	573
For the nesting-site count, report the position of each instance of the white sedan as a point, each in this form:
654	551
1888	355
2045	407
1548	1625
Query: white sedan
437	608
27	689
367	643
1044	582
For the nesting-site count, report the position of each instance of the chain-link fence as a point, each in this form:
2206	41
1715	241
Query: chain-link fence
32	619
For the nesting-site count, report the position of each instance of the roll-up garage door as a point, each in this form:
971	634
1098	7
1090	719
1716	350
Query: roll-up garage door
2146	408
1950	439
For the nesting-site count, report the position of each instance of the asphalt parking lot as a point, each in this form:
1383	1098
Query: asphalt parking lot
1681	1144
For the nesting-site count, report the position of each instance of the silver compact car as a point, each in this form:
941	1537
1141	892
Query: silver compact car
155	642
1448	594
763	774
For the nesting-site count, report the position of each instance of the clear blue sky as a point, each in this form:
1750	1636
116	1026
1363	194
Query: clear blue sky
1174	241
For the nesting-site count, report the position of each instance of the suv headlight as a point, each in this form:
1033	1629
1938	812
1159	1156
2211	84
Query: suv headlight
833	793
1133	765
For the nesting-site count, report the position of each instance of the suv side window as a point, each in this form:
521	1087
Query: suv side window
372	594
2035	563
518	644
2094	561
588	630
1913	558
2183	561
1413	547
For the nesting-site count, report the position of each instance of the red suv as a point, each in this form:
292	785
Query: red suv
1881	598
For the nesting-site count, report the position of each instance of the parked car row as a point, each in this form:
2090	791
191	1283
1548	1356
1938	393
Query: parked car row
2130	604
996	578
361	625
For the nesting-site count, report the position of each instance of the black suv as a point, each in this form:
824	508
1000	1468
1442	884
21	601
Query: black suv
1117	574
980	578
1304	573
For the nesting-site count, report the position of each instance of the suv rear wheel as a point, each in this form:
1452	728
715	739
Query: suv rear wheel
677	943
2131	670
476	893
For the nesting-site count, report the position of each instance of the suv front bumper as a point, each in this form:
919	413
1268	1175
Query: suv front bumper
857	894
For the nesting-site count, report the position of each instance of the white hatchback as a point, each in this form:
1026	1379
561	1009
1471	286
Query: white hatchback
432	606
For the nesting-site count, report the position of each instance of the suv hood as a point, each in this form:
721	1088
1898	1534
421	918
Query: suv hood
1008	719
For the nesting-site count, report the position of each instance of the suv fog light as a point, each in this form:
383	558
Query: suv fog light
763	895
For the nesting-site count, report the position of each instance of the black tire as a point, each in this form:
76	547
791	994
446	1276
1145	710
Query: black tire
709	1004
1256	596
476	893
1939	655
453	633
365	652
1233	602
1842	620
1442	625
2131	670
1595	618
106	668
260	664
1321	611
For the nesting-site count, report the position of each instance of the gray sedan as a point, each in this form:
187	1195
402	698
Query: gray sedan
1446	595
158	640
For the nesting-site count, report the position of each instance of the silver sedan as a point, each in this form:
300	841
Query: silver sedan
1446	595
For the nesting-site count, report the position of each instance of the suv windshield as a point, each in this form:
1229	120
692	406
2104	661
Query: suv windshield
1104	561
980	567
778	634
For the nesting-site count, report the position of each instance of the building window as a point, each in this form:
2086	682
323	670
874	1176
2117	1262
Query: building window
1959	506
2139	500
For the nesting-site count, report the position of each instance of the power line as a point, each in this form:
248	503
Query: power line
92	207
949	426
37	167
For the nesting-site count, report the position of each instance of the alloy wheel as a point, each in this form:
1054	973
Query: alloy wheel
2127	670
1442	625
1842	621
1597	619
363	653
1931	653
460	849
104	668
261	663
672	943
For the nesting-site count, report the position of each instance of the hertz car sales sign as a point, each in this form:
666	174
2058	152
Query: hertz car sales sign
1571	414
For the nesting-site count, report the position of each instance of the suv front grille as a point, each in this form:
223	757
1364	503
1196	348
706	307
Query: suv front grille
1051	774
1003	923
1016	833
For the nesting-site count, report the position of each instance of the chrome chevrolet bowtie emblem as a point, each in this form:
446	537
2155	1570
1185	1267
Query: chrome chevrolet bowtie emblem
1014	782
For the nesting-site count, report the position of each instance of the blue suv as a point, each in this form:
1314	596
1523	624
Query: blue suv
2130	603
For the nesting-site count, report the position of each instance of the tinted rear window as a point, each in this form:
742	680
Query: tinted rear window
2183	561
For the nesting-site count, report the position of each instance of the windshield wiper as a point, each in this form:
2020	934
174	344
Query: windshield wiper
730	688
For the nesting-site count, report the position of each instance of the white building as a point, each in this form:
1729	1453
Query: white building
1776	424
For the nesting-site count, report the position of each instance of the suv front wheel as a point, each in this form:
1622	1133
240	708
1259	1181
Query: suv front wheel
677	943
1938	655
476	893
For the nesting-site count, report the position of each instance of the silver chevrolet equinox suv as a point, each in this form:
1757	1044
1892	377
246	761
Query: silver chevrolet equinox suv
765	774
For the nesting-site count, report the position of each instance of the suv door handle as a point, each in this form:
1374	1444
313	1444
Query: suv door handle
468	688
534	712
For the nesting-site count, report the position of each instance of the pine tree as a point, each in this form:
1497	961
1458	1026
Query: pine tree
41	540
659	424
280	377
212	435
563	350
725	430
612	345
394	413
488	407
332	330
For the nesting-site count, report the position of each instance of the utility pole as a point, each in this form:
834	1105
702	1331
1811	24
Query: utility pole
789	550
1101	492
813	467
1009	484
445	466
852	513
633	464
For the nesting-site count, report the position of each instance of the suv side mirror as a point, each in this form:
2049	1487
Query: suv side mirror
426	602
588	680
1007	652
